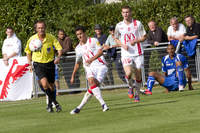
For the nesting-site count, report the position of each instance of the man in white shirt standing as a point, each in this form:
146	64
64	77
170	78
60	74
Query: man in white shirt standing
11	46
131	34
176	30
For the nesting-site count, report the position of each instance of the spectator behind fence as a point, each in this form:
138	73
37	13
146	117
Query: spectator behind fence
191	36
155	36
175	31
113	56
67	63
173	66
99	34
11	46
44	62
108	80
193	28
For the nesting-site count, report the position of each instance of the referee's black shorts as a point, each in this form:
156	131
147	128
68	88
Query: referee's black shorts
46	70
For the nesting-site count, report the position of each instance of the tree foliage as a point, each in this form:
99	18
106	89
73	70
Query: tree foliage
66	14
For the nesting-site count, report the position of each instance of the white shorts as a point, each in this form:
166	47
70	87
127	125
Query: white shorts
97	72
136	61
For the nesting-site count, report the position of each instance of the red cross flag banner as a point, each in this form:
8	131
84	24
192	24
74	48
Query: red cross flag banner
16	81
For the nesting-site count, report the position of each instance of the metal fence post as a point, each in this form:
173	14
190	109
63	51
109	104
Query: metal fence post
197	61
35	85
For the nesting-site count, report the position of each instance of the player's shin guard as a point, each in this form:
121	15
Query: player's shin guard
97	93
150	83
85	99
180	71
48	92
138	85
53	95
180	75
129	82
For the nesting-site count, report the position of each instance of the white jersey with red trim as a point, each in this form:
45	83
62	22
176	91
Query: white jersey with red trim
87	51
129	32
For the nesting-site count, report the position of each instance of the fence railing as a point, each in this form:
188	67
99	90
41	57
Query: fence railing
115	76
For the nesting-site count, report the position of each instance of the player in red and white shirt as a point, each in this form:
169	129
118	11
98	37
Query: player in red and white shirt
90	53
131	34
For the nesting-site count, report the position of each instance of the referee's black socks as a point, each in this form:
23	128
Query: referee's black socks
53	94
49	94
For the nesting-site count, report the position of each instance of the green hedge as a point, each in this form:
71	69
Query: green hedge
66	14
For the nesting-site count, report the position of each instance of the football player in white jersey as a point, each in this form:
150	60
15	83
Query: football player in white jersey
131	34
90	52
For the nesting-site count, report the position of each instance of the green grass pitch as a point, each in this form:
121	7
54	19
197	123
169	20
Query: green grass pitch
176	112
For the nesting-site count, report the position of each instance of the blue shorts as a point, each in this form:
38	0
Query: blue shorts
172	83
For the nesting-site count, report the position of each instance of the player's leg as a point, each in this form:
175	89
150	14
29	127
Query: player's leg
129	80
138	64
153	76
138	84
85	99
127	65
53	95
47	90
88	94
94	85
180	75
42	74
51	81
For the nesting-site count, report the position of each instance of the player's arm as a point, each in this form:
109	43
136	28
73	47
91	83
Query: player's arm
29	58
117	40
99	53
143	35
57	60
137	40
188	75
29	55
58	47
119	44
164	68
76	67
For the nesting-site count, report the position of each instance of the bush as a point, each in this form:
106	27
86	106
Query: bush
66	14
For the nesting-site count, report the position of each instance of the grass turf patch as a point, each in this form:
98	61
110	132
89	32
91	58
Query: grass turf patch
176	112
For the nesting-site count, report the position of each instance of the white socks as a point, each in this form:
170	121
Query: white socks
97	93
181	87
85	99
